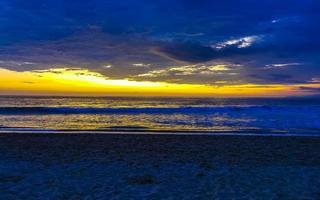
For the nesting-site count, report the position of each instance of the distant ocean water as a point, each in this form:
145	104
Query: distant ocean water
254	115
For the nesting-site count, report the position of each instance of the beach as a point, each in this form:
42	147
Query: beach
158	166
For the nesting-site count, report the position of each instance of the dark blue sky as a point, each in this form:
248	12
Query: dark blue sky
260	42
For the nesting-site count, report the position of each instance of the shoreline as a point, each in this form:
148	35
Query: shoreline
158	132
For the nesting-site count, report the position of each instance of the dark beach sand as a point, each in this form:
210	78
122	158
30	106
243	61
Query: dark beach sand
110	166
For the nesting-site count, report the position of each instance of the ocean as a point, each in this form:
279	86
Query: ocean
190	115
190	148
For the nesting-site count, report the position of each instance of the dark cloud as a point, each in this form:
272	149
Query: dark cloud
310	89
187	52
277	79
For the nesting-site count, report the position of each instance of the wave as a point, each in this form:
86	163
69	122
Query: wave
150	110
256	133
91	110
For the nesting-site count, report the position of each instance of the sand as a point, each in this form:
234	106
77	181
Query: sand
147	166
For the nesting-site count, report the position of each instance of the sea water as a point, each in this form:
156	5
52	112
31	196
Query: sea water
213	115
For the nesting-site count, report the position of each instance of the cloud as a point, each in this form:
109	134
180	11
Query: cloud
243	42
186	52
107	66
188	70
274	78
141	65
310	89
280	65
315	80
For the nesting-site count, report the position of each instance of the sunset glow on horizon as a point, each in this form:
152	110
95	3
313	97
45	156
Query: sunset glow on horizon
82	82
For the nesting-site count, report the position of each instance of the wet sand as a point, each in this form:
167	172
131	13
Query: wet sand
146	166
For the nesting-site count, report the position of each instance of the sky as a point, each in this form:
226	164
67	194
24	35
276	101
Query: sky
160	47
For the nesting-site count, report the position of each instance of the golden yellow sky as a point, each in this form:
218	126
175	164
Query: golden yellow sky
81	82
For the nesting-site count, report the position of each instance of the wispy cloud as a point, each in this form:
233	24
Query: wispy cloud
310	89
141	65
243	42
107	66
315	80
281	65
15	63
191	70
